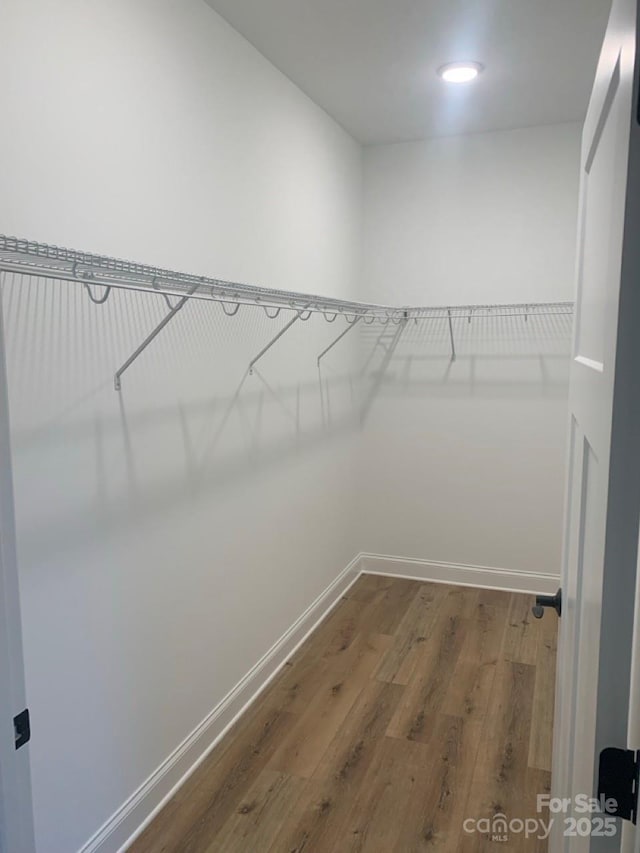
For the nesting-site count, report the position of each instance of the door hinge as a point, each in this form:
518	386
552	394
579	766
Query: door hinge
618	776
22	728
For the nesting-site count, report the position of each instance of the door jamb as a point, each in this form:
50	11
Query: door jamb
16	807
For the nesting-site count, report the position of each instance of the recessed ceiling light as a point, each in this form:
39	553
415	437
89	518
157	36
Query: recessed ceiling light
460	72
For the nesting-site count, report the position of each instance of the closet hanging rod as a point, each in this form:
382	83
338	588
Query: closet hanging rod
26	257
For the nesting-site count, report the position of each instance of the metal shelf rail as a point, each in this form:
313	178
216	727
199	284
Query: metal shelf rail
100	274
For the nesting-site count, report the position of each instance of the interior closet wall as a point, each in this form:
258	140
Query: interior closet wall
463	461
168	535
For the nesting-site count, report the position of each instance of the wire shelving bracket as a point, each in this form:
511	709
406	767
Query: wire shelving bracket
277	337
166	319
339	338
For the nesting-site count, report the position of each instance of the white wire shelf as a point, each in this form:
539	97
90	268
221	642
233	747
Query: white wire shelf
28	257
31	258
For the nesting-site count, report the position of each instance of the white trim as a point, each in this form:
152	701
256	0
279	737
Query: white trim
126	824
485	577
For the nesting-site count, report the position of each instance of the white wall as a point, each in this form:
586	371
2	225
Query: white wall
464	461
167	536
489	217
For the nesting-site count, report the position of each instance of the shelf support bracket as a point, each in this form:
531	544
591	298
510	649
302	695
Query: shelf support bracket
339	338
166	319
272	342
453	345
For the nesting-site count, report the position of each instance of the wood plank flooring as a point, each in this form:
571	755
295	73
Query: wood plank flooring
413	707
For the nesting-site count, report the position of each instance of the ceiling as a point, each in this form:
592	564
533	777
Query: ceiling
371	63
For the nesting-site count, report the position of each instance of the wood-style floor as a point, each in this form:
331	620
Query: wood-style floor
411	708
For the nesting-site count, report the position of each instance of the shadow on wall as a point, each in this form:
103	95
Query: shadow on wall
190	421
463	458
488	357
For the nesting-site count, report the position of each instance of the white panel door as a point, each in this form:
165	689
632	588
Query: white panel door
16	821
603	494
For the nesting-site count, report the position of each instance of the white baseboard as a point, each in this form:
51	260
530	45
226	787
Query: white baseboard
121	829
458	573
